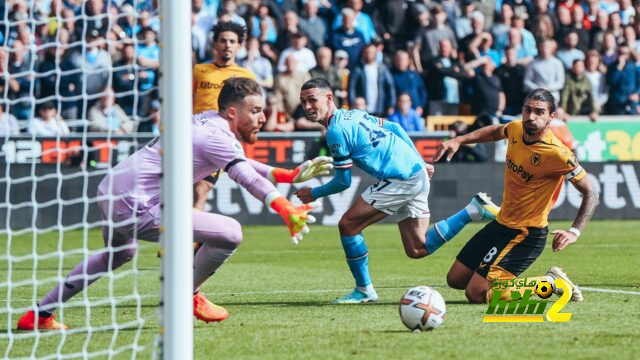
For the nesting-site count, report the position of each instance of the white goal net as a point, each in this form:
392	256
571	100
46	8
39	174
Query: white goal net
79	94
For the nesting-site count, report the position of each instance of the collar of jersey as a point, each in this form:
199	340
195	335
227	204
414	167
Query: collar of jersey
544	139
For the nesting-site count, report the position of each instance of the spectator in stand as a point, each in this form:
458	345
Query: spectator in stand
511	76
598	30
305	58
596	73
406	116
264	26
341	63
615	25
199	40
395	23
524	55
258	65
291	27
277	119
480	47
622	77
442	82
124	81
463	18
107	116
545	71
627	12
631	40
427	43
564	17
19	81
543	28
409	81
500	30
488	97
347	38
362	21
570	53
230	13
312	25
48	122
96	65
541	9
154	114
287	87
327	71
577	95
420	54
474	37
374	82
129	25
360	103
8	123
149	53
609	49
528	40
578	25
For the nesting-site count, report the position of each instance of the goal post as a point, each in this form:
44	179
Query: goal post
177	238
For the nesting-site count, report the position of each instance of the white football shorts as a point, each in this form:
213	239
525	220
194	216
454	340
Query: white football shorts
404	198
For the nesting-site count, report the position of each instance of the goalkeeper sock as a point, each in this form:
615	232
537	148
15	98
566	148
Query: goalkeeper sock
44	313
357	258
84	274
445	230
207	261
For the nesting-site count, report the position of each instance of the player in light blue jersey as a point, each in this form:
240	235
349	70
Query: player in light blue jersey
383	150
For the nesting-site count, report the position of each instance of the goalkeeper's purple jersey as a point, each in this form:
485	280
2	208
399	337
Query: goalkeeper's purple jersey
136	181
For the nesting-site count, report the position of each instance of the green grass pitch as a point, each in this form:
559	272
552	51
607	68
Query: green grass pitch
278	295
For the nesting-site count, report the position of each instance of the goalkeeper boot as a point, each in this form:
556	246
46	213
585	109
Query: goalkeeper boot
205	310
482	208
28	322
557	273
358	296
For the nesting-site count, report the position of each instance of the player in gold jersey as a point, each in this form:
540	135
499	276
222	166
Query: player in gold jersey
208	78
207	83
536	165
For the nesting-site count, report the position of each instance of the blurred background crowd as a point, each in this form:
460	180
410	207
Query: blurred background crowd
71	65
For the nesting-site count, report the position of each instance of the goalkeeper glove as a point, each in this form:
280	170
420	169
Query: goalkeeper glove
296	217
306	171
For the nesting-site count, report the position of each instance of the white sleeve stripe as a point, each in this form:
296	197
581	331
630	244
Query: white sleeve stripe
575	172
345	166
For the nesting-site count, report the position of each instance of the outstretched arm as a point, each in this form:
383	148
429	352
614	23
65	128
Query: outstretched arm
296	218
340	182
485	134
590	197
309	169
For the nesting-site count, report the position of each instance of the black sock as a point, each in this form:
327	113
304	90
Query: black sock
44	313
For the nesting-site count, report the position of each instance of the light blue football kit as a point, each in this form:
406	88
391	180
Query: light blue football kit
383	150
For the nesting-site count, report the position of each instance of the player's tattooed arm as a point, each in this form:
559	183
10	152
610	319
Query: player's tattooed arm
589	202
563	238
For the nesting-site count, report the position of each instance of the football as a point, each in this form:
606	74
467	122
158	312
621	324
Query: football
422	308
544	289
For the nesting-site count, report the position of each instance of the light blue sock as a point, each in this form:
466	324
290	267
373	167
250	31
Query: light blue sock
445	230
358	258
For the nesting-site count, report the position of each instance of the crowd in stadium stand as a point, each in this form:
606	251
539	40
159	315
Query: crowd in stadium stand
64	60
